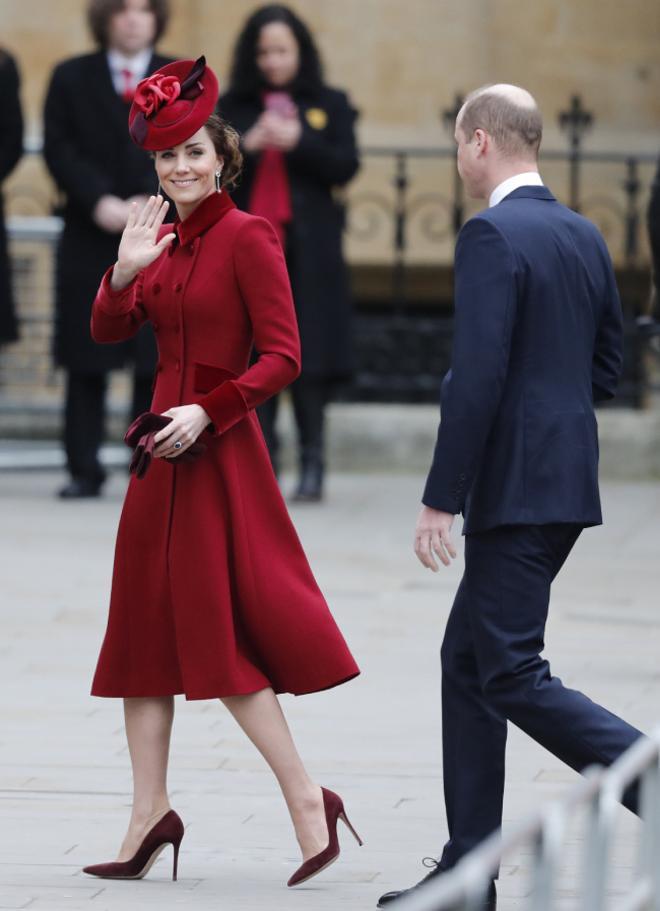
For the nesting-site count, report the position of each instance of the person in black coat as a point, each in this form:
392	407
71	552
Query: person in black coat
90	155
299	145
11	149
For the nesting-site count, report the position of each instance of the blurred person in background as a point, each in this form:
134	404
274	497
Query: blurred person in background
299	146
94	163
11	149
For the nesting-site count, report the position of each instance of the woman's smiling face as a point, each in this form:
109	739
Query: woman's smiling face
187	171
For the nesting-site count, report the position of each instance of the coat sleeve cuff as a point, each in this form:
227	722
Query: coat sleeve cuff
442	504
112	302
437	496
225	406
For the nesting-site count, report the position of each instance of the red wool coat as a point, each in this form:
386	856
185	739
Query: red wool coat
212	594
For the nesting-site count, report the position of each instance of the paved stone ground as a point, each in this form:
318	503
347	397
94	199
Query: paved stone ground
64	770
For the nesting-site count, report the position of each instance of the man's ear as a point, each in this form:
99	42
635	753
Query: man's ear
482	141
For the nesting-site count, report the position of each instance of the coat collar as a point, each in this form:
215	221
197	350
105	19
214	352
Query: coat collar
207	213
530	193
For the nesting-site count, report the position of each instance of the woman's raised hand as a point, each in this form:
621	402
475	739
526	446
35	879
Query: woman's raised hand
139	245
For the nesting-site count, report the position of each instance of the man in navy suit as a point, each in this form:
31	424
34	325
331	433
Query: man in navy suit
537	340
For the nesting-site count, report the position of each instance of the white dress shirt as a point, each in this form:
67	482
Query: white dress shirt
526	179
137	65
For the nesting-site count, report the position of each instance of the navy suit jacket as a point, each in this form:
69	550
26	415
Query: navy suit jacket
537	340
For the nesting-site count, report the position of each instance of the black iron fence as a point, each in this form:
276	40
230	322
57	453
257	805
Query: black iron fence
403	323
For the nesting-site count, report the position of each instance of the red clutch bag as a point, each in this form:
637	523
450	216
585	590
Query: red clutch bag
140	438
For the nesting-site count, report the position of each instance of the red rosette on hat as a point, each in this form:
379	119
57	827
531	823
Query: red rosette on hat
172	104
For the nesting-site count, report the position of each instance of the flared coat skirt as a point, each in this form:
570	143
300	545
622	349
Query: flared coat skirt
212	594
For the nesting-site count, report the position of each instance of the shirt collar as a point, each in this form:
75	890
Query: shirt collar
207	213
526	179
138	64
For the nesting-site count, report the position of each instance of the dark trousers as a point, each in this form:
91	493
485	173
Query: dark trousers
84	420
310	397
492	672
653	223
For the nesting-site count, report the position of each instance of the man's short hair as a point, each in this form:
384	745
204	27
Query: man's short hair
516	128
99	13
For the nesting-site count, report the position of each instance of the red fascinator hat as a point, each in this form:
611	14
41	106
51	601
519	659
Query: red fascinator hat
172	104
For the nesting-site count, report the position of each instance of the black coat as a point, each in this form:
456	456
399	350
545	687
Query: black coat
325	158
653	220
89	153
11	149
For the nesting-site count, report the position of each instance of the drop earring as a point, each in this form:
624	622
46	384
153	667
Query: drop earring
159	191
218	186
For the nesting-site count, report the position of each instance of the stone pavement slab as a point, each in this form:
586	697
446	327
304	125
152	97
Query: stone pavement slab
64	768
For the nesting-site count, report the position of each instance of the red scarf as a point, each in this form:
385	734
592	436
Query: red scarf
270	196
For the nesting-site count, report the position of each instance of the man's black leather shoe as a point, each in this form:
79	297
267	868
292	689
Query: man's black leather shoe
78	489
389	897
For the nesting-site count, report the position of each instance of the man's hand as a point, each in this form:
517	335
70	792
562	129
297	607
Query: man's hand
433	538
111	214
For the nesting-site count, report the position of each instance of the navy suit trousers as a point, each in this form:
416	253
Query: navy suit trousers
492	672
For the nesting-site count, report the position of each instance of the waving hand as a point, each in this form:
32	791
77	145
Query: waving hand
139	245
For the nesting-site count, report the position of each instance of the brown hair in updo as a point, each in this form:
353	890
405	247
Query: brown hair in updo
226	142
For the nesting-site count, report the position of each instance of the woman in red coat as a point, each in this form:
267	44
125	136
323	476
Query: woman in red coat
212	595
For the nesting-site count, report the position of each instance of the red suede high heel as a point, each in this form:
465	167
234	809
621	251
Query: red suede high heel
167	831
334	810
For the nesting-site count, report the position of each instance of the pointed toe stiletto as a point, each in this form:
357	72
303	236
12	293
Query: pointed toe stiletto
334	810
167	831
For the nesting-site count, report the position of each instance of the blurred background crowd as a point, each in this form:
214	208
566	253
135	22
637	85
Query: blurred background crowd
346	113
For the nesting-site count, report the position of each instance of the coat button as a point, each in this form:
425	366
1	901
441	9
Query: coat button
191	249
177	366
155	326
156	288
178	286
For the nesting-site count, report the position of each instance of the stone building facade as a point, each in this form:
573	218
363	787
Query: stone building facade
403	64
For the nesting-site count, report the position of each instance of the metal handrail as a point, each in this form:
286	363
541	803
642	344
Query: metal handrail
465	887
603	157
34	227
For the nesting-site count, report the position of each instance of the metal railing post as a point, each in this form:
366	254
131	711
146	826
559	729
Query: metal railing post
547	848
401	181
449	116
576	120
649	857
632	187
603	810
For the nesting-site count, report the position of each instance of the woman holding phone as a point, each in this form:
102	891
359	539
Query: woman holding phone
298	139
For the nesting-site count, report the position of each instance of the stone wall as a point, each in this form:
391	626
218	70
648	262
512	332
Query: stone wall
404	61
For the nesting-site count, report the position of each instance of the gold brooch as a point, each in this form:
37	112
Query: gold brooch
316	118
